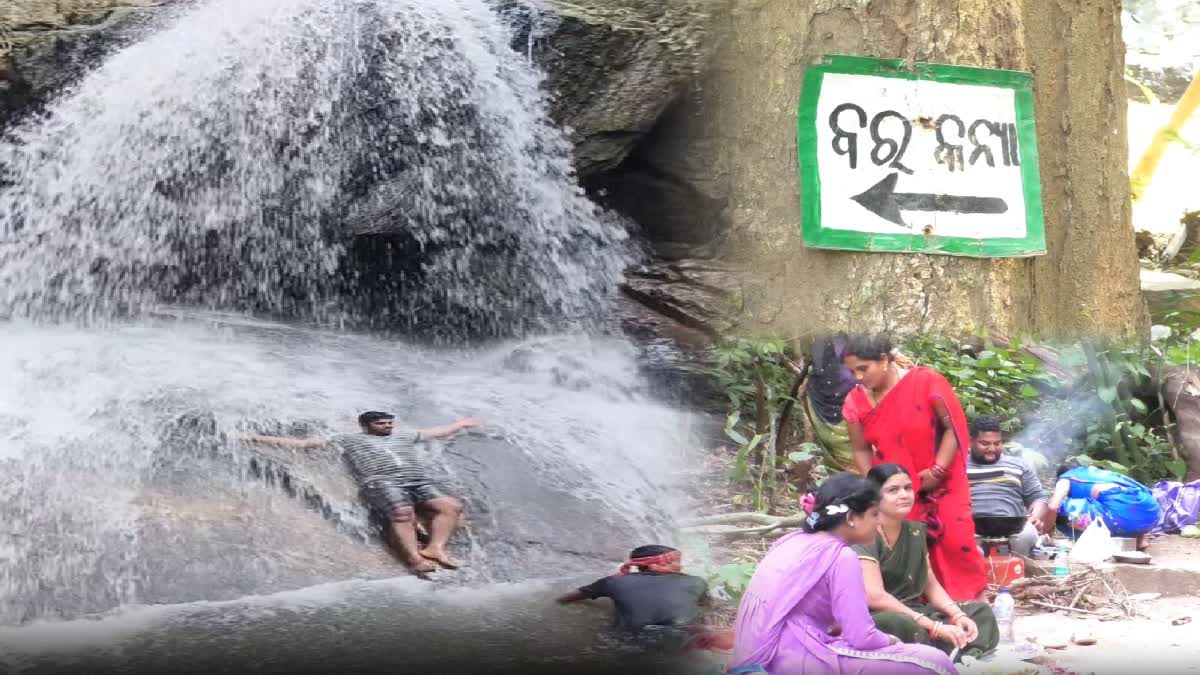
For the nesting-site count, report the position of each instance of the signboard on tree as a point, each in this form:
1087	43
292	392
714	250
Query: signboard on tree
932	159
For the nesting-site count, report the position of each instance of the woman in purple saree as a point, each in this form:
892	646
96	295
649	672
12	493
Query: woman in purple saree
805	610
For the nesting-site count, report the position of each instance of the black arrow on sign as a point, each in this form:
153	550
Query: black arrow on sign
883	200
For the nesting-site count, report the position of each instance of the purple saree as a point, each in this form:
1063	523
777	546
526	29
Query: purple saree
805	611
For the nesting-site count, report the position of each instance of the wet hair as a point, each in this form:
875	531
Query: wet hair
868	347
983	424
1062	468
649	550
881	473
374	416
856	492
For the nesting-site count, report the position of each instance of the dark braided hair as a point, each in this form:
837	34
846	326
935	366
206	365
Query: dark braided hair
854	492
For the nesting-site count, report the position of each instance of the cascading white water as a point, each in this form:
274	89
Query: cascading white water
223	162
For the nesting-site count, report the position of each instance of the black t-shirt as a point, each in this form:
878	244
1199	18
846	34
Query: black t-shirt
644	599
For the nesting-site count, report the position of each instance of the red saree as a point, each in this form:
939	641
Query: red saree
903	429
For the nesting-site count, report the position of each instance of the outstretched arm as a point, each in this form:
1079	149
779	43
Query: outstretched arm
596	589
283	441
448	429
1061	489
573	596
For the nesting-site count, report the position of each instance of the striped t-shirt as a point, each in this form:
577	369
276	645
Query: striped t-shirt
1007	488
390	458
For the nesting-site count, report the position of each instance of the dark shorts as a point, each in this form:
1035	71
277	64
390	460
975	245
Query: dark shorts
386	497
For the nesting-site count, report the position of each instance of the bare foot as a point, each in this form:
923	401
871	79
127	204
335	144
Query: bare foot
420	567
439	557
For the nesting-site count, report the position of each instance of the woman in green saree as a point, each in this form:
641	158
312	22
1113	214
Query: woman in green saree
904	596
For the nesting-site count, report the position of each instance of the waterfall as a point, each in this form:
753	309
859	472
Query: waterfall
191	239
377	162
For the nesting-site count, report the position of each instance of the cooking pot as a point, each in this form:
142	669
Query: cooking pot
999	526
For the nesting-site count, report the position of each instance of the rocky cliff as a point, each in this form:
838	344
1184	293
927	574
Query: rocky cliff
45	45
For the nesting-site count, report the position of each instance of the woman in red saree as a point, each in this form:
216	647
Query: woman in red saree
912	417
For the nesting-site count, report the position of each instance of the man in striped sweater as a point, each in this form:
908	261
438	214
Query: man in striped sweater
1004	485
394	482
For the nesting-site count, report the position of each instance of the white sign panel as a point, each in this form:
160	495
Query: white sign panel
940	160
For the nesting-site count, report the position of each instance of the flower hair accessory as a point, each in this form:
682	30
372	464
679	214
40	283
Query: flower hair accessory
834	509
813	518
808	502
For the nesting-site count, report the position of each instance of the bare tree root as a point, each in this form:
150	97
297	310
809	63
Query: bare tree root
721	525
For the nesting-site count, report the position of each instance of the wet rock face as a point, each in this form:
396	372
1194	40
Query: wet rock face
219	525
51	44
613	67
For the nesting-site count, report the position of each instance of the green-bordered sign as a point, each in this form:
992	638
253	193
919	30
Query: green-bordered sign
936	159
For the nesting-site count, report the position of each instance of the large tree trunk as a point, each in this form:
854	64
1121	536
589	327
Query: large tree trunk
1088	284
738	131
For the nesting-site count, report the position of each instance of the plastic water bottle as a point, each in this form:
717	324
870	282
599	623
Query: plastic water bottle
1062	567
1004	607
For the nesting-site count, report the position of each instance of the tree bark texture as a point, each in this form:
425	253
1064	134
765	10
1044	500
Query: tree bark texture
741	123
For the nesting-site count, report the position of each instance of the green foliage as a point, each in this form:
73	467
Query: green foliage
1121	437
733	578
739	363
1004	382
1116	431
750	372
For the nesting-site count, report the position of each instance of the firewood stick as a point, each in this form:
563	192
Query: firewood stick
1065	609
1079	595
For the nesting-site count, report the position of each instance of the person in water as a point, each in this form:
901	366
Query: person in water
657	594
805	609
911	417
903	593
1084	493
394	483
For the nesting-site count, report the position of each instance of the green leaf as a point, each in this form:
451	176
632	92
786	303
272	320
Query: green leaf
1178	468
1108	394
753	442
1138	405
737	438
1028	391
800	456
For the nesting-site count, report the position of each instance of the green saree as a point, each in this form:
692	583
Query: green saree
905	572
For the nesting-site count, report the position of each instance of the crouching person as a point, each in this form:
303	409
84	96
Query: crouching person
658	593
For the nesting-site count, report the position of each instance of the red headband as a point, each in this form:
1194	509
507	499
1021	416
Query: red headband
649	561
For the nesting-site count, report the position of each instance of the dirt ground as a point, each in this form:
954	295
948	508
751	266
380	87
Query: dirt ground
1148	644
1164	639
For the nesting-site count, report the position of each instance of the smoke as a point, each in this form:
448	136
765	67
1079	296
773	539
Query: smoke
1056	426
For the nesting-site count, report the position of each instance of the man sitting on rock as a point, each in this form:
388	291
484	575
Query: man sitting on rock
394	483
1006	486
